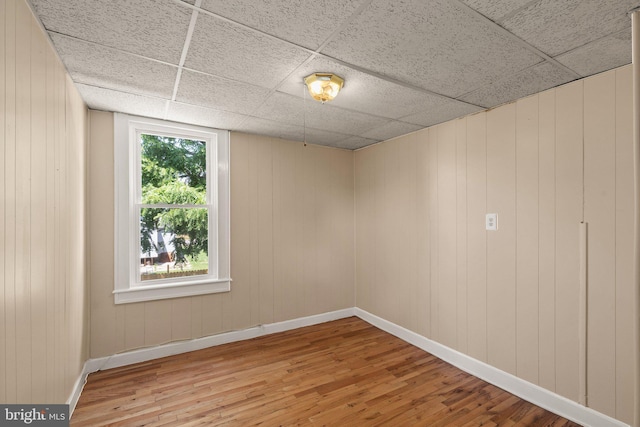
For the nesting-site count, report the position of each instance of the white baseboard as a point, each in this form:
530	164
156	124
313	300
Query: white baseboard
72	401
146	354
530	392
517	386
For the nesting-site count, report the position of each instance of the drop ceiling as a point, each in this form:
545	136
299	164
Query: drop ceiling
407	64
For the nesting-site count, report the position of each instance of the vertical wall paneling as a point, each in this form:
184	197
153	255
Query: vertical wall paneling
38	155
461	232
309	236
134	332
569	195
546	240
253	251
104	339
3	204
476	235
325	190
501	248
384	274
212	315
196	317
434	231
364	248
600	214
378	210
58	219
341	236
265	230
405	214
287	217
423	289
510	297
233	312
106	324
447	236
51	341
23	205
42	228
181	315
280	228
280	194
158	322
624	245
76	315
527	238
8	355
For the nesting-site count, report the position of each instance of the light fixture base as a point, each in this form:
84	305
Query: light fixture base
323	87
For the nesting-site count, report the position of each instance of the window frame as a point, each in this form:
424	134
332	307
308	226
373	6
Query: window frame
128	287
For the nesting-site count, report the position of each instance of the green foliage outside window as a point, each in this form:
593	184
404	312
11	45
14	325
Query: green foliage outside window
174	172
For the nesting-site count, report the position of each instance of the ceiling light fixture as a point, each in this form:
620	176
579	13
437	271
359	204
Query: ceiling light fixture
323	87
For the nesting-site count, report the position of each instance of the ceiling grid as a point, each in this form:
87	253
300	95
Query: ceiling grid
407	64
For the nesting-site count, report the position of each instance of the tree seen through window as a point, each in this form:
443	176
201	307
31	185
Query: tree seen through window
173	214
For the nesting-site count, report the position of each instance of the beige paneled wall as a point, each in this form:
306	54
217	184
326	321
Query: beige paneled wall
510	297
292	240
43	341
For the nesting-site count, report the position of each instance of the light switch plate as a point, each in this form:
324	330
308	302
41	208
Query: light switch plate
492	221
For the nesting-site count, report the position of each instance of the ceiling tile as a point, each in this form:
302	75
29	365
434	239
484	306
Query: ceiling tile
363	92
203	116
442	111
496	9
533	80
325	137
221	94
155	29
391	130
355	142
261	126
556	27
289	109
600	55
404	61
101	66
306	24
434	45
223	49
98	98
274	129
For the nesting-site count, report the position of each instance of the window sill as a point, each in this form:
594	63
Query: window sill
171	290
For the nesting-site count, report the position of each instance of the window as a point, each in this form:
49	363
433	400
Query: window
172	210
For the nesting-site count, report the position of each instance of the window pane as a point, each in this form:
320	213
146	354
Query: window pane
173	242
174	170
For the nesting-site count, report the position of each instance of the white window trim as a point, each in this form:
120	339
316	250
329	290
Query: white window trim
127	287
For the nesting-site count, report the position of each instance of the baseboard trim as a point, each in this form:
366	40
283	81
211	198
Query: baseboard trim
530	392
72	401
151	353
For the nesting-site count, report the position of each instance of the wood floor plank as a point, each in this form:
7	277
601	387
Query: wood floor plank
341	373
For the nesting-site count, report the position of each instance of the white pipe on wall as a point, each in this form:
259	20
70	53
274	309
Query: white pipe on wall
635	47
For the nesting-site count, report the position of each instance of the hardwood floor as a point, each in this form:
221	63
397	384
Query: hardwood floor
341	373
